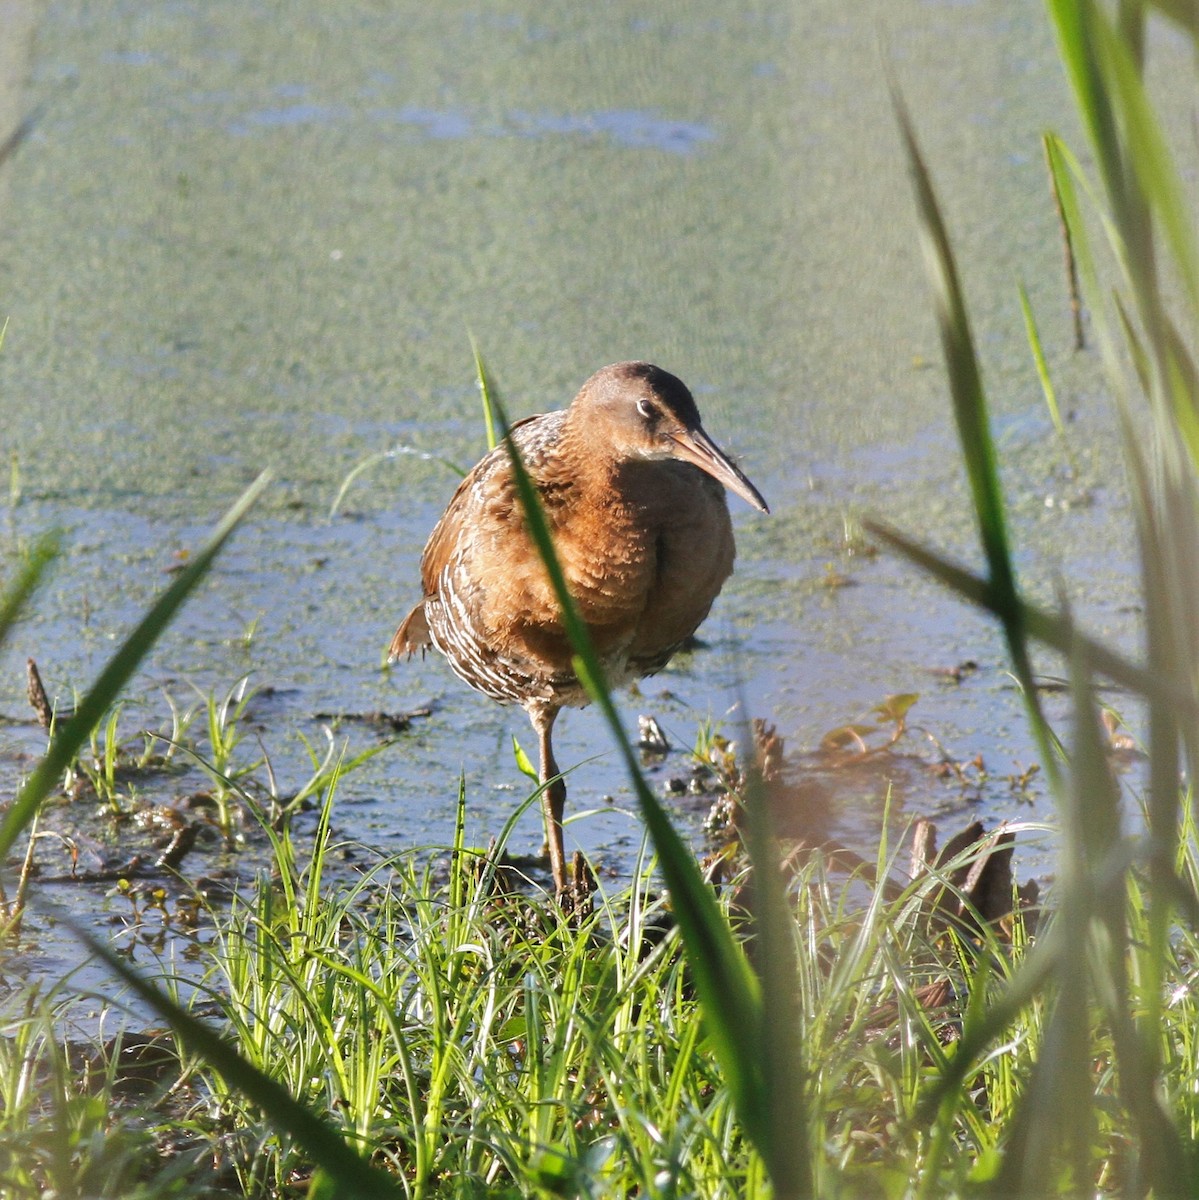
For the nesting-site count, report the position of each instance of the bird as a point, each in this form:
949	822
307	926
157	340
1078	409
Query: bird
633	492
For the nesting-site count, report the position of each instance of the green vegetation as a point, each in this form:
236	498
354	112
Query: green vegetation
422	1028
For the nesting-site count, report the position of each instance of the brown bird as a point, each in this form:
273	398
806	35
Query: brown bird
630	485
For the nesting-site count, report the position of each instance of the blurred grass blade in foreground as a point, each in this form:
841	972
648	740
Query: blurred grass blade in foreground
351	1173
45	550
1148	218
99	698
973	423
1086	952
728	989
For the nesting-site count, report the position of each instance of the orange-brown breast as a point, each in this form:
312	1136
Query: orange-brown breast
645	546
693	558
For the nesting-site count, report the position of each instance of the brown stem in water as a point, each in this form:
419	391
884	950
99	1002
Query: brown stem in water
1068	251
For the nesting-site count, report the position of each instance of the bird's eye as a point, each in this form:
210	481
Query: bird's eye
646	409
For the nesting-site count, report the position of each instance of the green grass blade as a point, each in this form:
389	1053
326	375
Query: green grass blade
957	340
1145	196
1095	826
373	460
116	674
1144	192
323	1144
365	465
1184	12
1149	155
1047	627
724	981
1055	1115
974	433
487	395
1136	347
28	579
1076	45
1067	171
1038	357
782	1023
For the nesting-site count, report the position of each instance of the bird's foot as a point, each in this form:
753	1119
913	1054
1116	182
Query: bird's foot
575	898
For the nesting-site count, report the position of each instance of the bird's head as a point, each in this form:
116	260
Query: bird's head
637	410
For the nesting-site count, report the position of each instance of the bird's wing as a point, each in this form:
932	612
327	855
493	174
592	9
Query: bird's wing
489	485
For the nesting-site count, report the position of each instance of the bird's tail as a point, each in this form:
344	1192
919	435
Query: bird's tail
412	635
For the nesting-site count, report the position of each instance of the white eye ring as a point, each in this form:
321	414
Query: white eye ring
645	408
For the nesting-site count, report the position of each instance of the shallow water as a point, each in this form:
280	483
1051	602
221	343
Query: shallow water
234	241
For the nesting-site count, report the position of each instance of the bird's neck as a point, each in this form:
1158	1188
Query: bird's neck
630	490
585	458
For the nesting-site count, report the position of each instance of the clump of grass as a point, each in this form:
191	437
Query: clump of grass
73	1124
471	1039
226	731
465	1033
456	1029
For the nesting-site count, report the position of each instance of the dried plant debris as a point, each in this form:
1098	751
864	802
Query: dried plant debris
38	699
769	749
577	899
977	868
89	864
955	673
863	739
978	884
1123	749
650	737
385	722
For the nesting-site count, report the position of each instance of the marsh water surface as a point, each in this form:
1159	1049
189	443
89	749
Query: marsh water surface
245	235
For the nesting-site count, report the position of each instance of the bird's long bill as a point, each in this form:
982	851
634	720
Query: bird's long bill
694	446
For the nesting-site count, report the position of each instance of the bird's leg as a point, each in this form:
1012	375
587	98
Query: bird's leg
553	798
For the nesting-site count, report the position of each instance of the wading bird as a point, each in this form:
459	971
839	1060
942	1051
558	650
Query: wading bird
632	489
